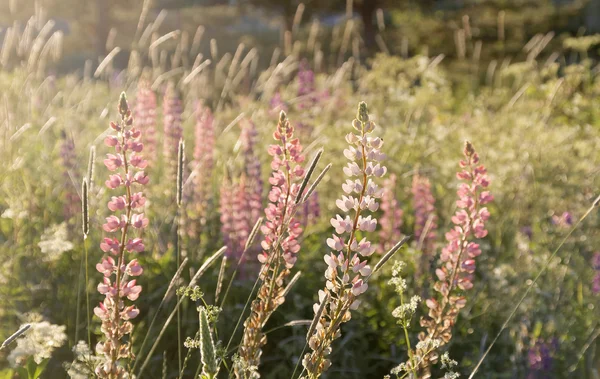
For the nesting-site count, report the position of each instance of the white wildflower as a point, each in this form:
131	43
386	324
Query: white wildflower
39	342
54	242
84	363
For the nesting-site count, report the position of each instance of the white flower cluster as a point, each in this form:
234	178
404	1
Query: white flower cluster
405	312
39	342
54	242
85	362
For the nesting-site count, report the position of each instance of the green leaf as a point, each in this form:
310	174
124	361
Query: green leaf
40	368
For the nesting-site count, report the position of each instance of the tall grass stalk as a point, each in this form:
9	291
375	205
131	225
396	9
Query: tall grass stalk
160	306
192	283
178	226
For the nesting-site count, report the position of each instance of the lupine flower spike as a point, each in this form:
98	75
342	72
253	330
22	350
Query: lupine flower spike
145	116
173	131
252	169
280	245
117	267
347	272
425	217
391	218
457	262
203	158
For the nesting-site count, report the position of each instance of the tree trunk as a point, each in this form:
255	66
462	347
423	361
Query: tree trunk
367	13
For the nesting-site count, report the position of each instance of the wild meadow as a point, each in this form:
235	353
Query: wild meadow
311	211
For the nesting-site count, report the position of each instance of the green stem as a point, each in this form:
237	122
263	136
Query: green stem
87	294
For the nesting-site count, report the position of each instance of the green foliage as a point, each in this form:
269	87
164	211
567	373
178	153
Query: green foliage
536	124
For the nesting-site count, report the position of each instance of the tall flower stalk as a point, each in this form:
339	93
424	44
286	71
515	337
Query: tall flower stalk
145	116
457	263
227	215
346	273
252	170
425	217
280	245
391	218
173	131
117	267
203	158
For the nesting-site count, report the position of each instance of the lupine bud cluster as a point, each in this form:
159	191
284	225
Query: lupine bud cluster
596	267
280	246
347	267
173	131
425	218
145	116
68	162
204	151
391	218
458	256
118	269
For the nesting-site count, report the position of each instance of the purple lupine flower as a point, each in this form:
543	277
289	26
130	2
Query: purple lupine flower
306	86
596	280
113	310
347	272
310	210
204	151
391	218
145	116
173	131
277	104
540	358
69	162
563	221
425	217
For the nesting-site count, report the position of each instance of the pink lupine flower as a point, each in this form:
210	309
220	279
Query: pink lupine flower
145	116
252	169
227	215
347	264
173	131
242	216
116	286
425	218
391	218
457	259
280	245
241	206
204	151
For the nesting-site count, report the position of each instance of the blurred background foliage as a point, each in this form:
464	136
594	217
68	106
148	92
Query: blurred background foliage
518	78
